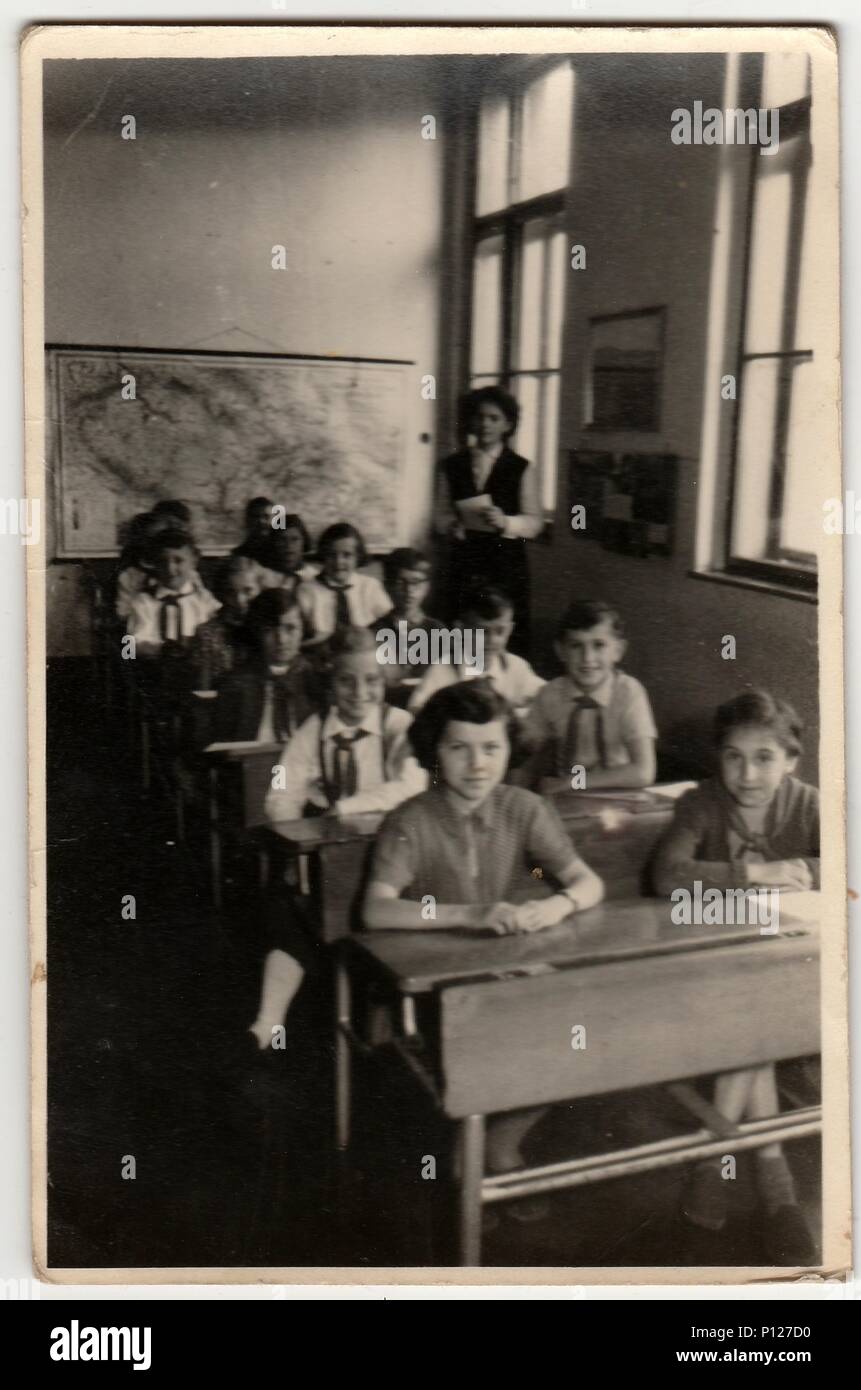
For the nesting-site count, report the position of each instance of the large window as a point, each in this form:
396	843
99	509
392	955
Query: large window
520	254
775	510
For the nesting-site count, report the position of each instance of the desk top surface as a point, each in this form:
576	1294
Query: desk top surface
316	832
632	928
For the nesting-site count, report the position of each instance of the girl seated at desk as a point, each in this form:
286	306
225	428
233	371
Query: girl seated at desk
267	700
754	825
470	845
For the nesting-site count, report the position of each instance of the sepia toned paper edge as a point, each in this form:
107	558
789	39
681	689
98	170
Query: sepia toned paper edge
44	42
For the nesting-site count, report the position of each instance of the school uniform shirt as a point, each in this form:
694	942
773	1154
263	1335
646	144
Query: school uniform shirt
511	677
709	840
134	580
426	847
386	771
170	615
219	648
264	705
622	713
277	579
367	601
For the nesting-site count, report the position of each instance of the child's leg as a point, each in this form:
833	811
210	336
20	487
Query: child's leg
732	1093
775	1180
706	1194
282	976
505	1133
292	953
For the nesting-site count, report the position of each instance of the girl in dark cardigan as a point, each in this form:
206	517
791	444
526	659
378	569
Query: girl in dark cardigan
753	826
488	536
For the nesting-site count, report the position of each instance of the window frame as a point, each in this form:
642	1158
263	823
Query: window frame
509	223
782	569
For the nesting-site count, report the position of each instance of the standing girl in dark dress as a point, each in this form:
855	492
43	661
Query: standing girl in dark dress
488	543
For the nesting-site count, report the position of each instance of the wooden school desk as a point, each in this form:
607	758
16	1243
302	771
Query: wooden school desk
240	775
615	842
658	1002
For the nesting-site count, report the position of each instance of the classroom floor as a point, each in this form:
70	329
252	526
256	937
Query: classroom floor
144	1016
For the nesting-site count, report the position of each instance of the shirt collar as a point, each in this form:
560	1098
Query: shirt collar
602	696
185	592
453	821
333	723
496	663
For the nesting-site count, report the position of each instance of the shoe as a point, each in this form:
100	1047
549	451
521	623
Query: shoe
787	1238
705	1199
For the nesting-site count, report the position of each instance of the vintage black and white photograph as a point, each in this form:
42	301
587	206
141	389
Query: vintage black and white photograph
434	494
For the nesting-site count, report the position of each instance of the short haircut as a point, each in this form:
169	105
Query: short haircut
267	609
485	601
171	506
272	552
254	505
760	709
233	566
293	522
347	641
404	558
174	539
586	613
342	531
469	702
493	395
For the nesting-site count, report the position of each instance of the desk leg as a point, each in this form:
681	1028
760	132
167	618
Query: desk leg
472	1173
214	839
343	1020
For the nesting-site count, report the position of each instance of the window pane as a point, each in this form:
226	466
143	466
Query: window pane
527	352
758	405
801	523
541	297
786	77
550	443
809	291
767	268
545	139
556	300
526	440
494	133
486	355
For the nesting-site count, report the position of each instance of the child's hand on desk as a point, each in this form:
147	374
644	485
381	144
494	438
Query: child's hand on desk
781	873
501	919
547	912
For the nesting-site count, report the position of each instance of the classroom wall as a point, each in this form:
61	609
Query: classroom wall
644	209
165	241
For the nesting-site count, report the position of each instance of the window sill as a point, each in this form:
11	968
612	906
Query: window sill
744	581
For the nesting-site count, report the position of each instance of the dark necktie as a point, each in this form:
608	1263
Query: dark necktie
282	713
170	601
342	608
572	733
345	773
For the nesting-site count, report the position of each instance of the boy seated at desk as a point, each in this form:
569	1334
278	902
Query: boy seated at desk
283	555
488	615
594	723
273	694
407	575
164	620
354	758
754	825
220	644
470	844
